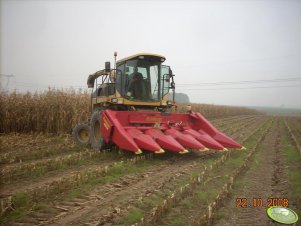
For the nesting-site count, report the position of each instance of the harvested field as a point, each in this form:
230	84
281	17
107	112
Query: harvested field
48	180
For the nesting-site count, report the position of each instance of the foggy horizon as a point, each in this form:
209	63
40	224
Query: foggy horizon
237	53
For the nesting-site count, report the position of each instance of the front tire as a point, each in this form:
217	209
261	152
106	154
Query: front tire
81	133
96	138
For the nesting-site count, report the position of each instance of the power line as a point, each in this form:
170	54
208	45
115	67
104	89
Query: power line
242	82
247	60
183	86
237	88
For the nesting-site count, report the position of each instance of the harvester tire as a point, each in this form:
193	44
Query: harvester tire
81	133
96	138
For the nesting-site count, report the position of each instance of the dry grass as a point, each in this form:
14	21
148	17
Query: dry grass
53	111
217	111
57	111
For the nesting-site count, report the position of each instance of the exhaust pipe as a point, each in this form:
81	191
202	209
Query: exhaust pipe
90	81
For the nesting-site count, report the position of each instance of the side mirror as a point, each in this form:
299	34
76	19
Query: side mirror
172	85
170	73
107	66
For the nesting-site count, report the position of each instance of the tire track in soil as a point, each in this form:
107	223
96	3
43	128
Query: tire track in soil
224	121
266	177
295	202
155	180
19	143
224	126
18	172
13	188
295	126
117	197
30	154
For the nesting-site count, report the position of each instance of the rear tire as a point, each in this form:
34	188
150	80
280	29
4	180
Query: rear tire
96	138
81	133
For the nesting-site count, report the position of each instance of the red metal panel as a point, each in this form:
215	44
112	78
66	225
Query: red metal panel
106	128
120	137
226	141
185	139
171	131
165	141
204	138
204	126
144	141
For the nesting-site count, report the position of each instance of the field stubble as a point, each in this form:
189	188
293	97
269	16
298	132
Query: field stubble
166	166
203	191
170	177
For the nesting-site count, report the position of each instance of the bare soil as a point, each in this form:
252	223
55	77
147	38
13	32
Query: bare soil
106	204
266	178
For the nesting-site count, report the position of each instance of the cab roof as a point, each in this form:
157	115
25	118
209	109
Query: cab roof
146	55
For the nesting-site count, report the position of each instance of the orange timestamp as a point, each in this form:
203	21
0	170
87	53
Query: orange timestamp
260	202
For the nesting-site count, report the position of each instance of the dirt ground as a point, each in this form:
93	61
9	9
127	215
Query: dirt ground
267	177
58	183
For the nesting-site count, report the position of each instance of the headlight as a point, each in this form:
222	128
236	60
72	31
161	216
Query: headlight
169	102
114	100
188	107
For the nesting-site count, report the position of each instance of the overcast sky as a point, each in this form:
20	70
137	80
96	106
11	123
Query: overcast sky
59	43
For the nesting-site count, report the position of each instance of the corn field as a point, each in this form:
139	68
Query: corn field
216	111
58	111
53	111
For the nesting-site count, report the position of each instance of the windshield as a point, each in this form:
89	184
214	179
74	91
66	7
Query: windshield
139	80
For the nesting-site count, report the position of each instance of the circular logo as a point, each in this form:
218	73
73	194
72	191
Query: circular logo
282	215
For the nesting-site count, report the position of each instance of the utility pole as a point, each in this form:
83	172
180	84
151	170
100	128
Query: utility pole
4	88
